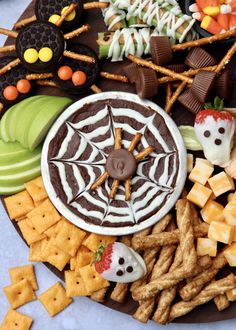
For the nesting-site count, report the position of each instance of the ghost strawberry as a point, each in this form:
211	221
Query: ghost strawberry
215	131
118	263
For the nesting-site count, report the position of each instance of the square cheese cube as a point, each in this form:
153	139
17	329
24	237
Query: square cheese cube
213	196
230	213
221	183
199	161
221	232
231	294
189	162
206	246
212	211
231	197
199	194
230	254
201	172
234	236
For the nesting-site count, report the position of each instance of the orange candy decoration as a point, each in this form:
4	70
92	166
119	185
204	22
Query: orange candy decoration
65	72
10	93
23	86
79	78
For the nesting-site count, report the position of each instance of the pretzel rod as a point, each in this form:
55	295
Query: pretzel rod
168	92
128	189
24	22
191	289
143	233
194	215
75	33
38	76
1	107
95	89
79	57
94	5
144	153
160	69
65	14
99	295
169	279
221	301
8	33
134	142
226	59
207	294
165	238
100	181
9	66
112	76
48	83
174	97
6	49
186	237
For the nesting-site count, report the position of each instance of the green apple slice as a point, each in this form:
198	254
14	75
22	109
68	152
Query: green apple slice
44	119
4	134
18	179
11	190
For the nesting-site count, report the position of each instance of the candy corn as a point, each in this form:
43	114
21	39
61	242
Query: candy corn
209	7
224	20
211	25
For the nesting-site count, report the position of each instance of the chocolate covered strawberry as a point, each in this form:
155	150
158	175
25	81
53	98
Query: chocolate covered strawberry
215	131
118	263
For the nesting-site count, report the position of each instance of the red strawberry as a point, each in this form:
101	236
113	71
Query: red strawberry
103	258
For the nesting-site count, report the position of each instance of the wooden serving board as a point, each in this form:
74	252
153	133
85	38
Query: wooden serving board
204	313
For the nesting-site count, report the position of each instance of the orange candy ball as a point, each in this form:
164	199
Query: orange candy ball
79	78
65	72
23	86
10	93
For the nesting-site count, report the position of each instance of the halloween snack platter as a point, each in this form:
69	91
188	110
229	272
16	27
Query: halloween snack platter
106	46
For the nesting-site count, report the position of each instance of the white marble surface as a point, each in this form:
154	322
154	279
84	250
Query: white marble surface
83	314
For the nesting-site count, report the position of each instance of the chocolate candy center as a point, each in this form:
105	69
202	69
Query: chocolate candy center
121	164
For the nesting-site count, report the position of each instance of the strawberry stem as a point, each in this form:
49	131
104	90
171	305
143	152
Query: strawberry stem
218	104
98	254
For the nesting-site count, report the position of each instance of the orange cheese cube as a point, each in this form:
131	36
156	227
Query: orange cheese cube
230	213
201	172
199	161
212	211
231	197
206	246
199	194
221	183
213	196
234	236
221	232
189	162
231	294
230	254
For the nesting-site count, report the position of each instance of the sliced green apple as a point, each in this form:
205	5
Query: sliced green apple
4	134
18	179
21	166
11	190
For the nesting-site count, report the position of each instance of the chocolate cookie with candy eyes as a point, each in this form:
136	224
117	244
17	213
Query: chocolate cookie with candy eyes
51	10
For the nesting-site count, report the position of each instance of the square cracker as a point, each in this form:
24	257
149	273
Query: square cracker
16	321
18	274
44	216
74	285
72	262
36	249
29	232
83	257
92	280
93	241
19	294
69	238
36	189
52	231
54	255
19	205
54	299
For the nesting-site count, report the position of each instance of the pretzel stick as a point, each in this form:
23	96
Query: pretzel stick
79	57
100	181
95	89
128	189
8	33
9	66
160	69
168	92
112	76
48	83
6	49
207	294
204	41
65	14
225	60
144	153
38	76
94	5
75	33
174	97
169	279
221	301
134	142
117	145
99	295
165	238
1	107
24	22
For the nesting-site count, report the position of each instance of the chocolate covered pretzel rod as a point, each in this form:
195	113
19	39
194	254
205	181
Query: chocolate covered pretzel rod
207	294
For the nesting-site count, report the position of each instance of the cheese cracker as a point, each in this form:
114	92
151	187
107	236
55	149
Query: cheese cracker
19	204
29	232
36	189
18	274
19	294
92	280
16	321
54	255
93	241
74	284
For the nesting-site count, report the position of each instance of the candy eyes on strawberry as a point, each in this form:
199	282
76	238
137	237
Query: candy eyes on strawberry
78	77
11	93
118	263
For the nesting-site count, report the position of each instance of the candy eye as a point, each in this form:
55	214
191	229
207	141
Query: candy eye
121	261
69	17
54	18
23	86
65	72
119	272
45	54
129	269
79	78
221	130
31	55
218	142
10	93
207	133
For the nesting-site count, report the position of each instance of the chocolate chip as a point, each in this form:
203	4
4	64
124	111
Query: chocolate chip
221	130
129	269
119	272
218	142
121	261
207	133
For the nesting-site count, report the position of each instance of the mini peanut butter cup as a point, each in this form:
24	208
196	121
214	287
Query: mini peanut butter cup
190	102
161	51
223	85
199	58
131	72
177	67
203	84
147	83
